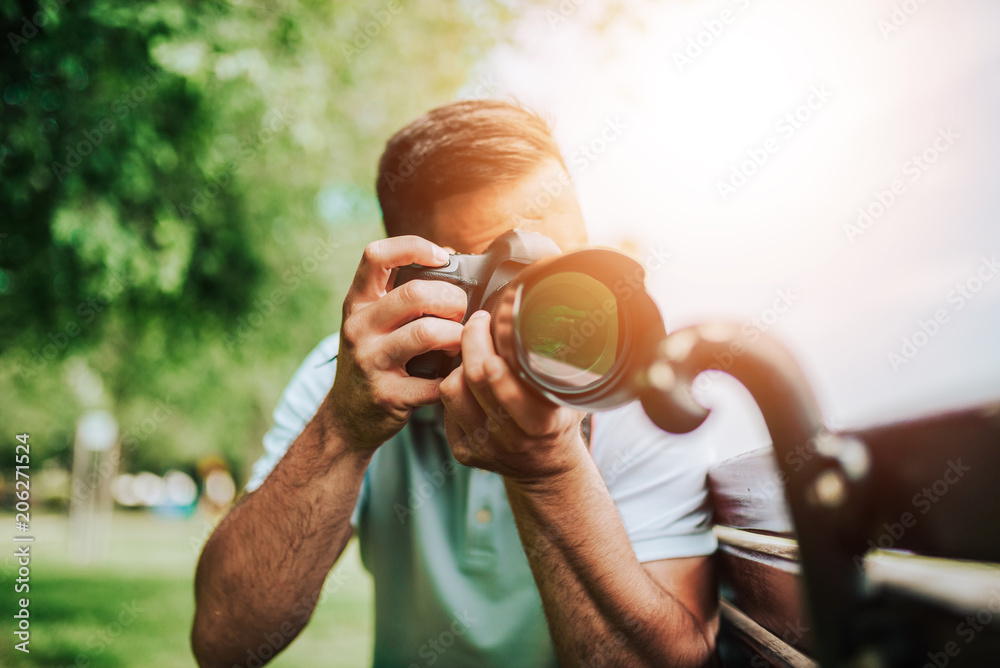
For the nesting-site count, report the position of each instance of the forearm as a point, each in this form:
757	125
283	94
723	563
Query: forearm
602	607
262	569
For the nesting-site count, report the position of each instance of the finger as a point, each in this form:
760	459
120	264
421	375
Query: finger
461	405
381	257
413	392
457	441
414	299
493	384
420	336
477	349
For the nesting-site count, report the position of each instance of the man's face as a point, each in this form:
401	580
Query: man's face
543	201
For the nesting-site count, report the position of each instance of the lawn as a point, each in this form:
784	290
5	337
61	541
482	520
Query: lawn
135	608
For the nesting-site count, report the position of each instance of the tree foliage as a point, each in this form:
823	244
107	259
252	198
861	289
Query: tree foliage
186	188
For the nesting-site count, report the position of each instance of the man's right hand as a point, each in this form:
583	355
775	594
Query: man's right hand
382	329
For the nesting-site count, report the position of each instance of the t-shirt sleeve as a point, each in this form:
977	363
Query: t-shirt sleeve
658	481
297	406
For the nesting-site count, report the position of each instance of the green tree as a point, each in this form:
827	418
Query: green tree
186	188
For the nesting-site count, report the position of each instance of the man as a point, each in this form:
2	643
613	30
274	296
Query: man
516	555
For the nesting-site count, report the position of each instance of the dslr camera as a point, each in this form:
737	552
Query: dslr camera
579	327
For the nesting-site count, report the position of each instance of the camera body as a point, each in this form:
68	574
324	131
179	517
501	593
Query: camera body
579	328
483	278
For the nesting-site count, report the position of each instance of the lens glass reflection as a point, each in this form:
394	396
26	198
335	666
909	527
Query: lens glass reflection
568	327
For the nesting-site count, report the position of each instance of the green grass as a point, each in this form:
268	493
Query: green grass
135	607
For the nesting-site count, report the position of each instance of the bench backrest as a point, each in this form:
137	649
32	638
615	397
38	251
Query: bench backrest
923	538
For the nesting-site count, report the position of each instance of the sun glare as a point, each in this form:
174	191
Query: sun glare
818	148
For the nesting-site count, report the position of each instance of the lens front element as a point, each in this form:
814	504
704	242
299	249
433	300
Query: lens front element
569	331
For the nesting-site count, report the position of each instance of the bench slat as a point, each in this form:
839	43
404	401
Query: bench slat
777	546
764	643
964	587
761	576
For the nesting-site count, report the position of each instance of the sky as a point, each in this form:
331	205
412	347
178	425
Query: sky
826	172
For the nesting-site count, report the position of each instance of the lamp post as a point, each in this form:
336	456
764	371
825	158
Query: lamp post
95	464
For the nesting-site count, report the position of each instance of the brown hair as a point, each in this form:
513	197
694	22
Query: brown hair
457	148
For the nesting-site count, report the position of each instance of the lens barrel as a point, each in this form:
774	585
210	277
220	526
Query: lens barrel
580	328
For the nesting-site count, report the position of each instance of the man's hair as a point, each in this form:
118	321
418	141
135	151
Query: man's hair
457	148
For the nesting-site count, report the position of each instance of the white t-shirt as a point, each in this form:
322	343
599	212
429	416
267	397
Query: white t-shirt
657	480
440	540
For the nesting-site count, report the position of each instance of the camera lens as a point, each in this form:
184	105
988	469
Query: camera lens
568	329
579	328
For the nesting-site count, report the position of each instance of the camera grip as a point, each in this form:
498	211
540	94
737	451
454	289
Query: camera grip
425	365
435	363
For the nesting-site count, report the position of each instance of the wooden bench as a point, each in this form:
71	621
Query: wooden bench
902	561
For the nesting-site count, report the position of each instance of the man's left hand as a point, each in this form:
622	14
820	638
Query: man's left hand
495	422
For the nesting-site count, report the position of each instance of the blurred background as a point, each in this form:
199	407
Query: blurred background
186	188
